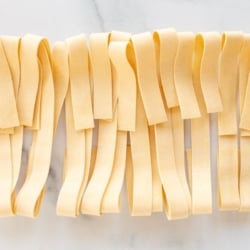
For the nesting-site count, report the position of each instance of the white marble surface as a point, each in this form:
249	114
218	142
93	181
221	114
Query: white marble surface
59	19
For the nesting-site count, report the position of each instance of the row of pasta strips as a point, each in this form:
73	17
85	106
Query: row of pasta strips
139	88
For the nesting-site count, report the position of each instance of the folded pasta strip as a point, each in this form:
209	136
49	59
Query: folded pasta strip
228	160
10	132
79	125
244	91
36	110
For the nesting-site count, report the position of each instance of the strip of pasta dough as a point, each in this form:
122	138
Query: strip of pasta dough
29	83
10	163
183	77
61	77
29	198
102	76
111	196
69	197
141	182
8	108
79	124
166	42
157	190
244	91
201	189
179	150
210	43
93	195
228	162
11	47
80	82
176	203
124	91
120	55
146	70
116	36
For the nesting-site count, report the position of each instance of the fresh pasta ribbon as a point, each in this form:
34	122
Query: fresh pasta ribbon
228	70
157	190
245	120
8	108
228	191
80	82
102	76
244	89
139	168
166	41
60	66
75	166
209	46
124	92
244	67
11	47
6	188
79	124
116	36
10	137
200	172
176	203
146	70
29	83
111	198
139	177
183	77
244	180
228	161
119	53
177	124
29	198
93	195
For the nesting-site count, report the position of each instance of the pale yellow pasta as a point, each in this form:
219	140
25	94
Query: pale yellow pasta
139	182
60	66
209	46
176	203
166	42
102	76
157	190
8	108
75	167
228	160
80	83
126	85
179	150
244	91
228	73
200	171
146	71
11	47
137	110
29	198
111	196
93	195
183	77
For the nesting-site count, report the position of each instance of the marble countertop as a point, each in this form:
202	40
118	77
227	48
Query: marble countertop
58	20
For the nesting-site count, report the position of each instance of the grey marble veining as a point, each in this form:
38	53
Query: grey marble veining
60	19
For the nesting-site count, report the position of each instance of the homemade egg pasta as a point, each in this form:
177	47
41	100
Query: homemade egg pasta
133	94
